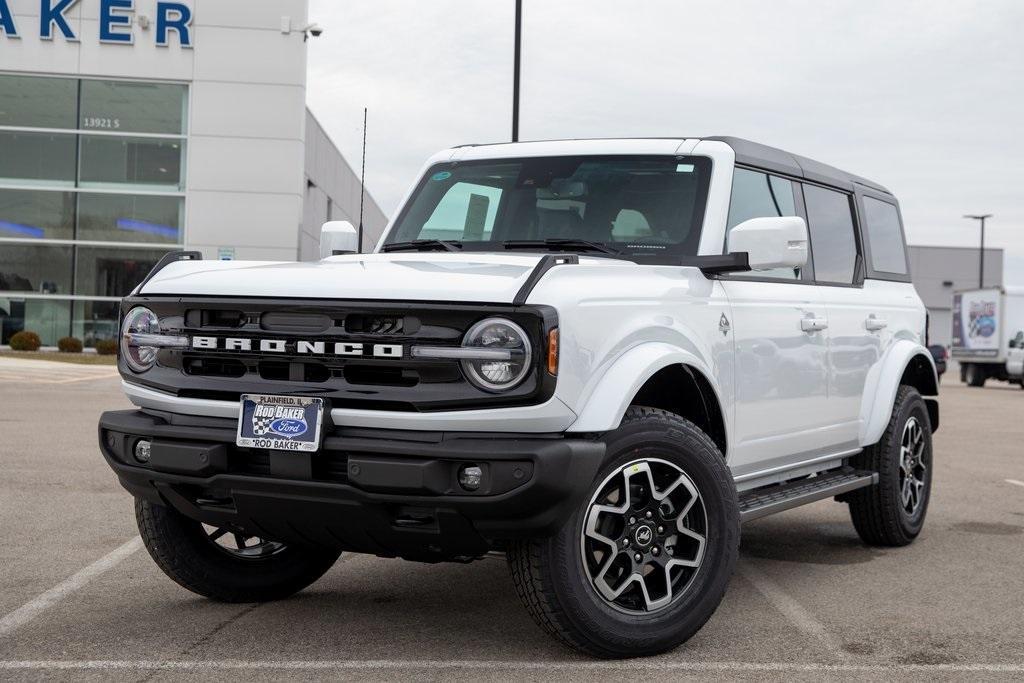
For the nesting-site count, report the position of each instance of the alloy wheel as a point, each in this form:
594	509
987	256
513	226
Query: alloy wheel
912	466
644	536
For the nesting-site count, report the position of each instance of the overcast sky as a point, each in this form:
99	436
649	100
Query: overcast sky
923	96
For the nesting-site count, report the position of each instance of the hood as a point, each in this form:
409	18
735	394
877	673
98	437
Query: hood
458	277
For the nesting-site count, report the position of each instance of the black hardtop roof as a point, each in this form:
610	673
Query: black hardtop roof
773	159
750	153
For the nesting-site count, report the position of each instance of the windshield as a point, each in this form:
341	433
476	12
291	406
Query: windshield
629	205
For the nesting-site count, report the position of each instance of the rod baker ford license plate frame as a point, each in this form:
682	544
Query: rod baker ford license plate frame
282	423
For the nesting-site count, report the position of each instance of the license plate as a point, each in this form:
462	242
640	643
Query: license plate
281	423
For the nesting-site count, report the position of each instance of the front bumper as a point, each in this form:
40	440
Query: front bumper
386	492
548	418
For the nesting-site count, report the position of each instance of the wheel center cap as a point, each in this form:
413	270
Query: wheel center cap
643	535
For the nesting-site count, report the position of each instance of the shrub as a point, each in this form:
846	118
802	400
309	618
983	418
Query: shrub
69	345
26	341
106	347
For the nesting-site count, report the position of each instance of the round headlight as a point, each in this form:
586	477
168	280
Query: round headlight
510	351
140	320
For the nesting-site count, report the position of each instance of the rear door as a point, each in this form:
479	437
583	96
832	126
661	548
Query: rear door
856	331
779	331
871	309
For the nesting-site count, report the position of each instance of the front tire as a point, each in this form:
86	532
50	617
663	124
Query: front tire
224	565
644	562
892	512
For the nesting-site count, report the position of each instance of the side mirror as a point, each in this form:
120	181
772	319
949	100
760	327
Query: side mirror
771	242
338	237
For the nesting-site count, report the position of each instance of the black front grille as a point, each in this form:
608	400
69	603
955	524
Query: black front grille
199	318
283	371
305	348
376	375
298	323
385	325
213	367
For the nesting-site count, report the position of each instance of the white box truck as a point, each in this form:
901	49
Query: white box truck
987	323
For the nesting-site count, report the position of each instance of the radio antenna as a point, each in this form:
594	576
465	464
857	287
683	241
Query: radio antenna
516	59
362	188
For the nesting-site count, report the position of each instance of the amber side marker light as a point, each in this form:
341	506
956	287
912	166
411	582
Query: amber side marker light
553	352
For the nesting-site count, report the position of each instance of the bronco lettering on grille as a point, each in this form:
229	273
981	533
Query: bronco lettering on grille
318	348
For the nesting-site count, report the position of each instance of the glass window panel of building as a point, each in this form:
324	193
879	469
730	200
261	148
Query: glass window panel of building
118	161
43	159
38	268
49	318
133	107
35	214
34	102
94	321
129	218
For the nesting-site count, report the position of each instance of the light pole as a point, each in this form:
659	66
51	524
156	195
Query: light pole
515	70
981	257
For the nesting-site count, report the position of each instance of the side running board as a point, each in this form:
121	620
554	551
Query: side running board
768	500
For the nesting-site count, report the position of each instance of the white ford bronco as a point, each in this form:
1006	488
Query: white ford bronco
596	357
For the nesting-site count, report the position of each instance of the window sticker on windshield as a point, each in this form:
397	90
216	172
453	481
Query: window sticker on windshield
445	175
684	168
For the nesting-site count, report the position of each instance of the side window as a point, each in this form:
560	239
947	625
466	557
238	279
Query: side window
465	212
756	195
882	222
833	243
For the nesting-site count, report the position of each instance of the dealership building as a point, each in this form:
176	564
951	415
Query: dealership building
130	128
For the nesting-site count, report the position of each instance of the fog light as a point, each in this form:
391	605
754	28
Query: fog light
470	477
142	450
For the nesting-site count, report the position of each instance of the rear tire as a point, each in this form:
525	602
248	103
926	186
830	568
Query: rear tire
892	512
975	375
663	487
251	572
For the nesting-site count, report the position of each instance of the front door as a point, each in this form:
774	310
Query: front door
781	337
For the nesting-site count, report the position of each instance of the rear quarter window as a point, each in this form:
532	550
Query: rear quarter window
885	239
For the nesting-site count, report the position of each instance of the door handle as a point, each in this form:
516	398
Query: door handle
873	324
813	324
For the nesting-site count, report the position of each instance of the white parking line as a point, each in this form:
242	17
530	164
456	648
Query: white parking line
33	371
32	609
115	373
54	378
1014	481
434	665
791	609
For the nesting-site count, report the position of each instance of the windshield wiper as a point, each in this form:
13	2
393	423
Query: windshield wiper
424	245
561	244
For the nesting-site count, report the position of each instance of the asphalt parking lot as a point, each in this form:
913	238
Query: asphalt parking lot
81	599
